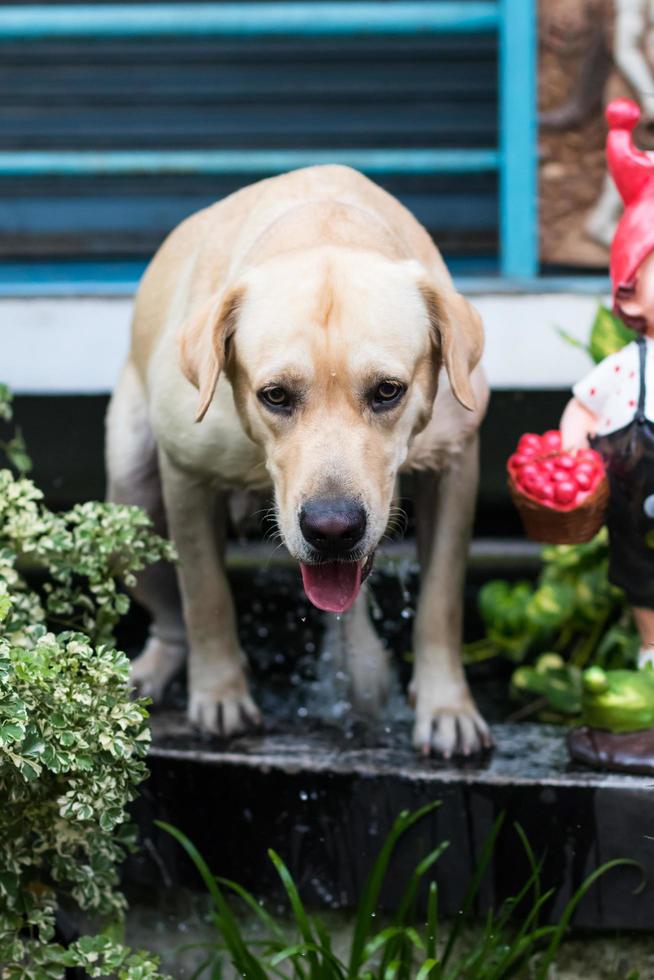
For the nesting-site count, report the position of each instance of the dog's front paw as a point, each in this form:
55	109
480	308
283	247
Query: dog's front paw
153	669
222	714
451	728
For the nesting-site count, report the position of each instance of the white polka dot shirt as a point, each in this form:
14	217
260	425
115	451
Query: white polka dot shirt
611	389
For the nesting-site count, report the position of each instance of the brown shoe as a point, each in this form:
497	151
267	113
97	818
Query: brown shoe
629	752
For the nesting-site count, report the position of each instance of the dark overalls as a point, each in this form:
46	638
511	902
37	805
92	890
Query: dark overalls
628	454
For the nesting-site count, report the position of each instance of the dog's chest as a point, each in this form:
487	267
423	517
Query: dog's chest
217	448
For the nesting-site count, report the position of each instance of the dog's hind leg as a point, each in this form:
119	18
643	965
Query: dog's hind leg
133	478
447	720
367	660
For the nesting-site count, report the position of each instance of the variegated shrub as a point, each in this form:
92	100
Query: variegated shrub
72	743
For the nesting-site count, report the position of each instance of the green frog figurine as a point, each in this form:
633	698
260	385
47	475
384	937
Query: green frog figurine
618	715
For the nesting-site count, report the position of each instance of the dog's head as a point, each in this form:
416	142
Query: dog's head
334	357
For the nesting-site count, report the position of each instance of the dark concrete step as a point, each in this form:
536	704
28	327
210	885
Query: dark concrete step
325	798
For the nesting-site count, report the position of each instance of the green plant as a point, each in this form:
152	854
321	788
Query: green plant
72	742
399	950
608	334
571	616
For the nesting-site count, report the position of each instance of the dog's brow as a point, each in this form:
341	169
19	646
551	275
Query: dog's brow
290	377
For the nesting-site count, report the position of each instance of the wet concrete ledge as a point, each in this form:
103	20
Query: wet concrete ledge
325	801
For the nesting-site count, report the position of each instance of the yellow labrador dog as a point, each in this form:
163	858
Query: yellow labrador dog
292	336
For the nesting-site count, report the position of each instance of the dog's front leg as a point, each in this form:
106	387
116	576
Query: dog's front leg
447	720
219	699
367	660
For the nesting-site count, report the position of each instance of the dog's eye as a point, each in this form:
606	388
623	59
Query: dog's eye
276	397
386	395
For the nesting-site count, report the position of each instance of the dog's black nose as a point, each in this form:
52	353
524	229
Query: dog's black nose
333	525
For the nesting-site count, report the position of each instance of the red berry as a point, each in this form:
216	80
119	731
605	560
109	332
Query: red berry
560	476
518	460
565	461
547	493
548	465
529	444
589	456
533	483
551	440
565	492
583	479
528	470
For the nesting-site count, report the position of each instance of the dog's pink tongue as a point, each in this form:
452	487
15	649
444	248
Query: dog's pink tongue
332	586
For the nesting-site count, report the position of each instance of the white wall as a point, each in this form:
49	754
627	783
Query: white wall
76	345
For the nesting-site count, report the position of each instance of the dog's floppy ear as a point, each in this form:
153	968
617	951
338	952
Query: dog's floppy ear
458	332
204	341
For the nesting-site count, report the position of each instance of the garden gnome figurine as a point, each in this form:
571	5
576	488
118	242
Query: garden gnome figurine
613	406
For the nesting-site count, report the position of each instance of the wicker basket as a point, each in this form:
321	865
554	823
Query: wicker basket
550	526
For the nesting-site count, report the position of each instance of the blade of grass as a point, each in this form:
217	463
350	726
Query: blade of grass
523	936
520	953
299	912
510	906
431	944
380	940
568	912
241	956
372	888
481	954
202	967
427	969
536	866
264	917
323	935
473	888
407	902
300	949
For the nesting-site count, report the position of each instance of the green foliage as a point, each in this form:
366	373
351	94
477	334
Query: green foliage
512	939
82	553
72	742
14	447
608	334
573	611
558	684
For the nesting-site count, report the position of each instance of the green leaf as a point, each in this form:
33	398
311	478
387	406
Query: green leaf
608	334
17	453
10	732
374	883
573	341
559	932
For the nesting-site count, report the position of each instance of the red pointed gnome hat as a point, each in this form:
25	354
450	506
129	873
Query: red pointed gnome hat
633	173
